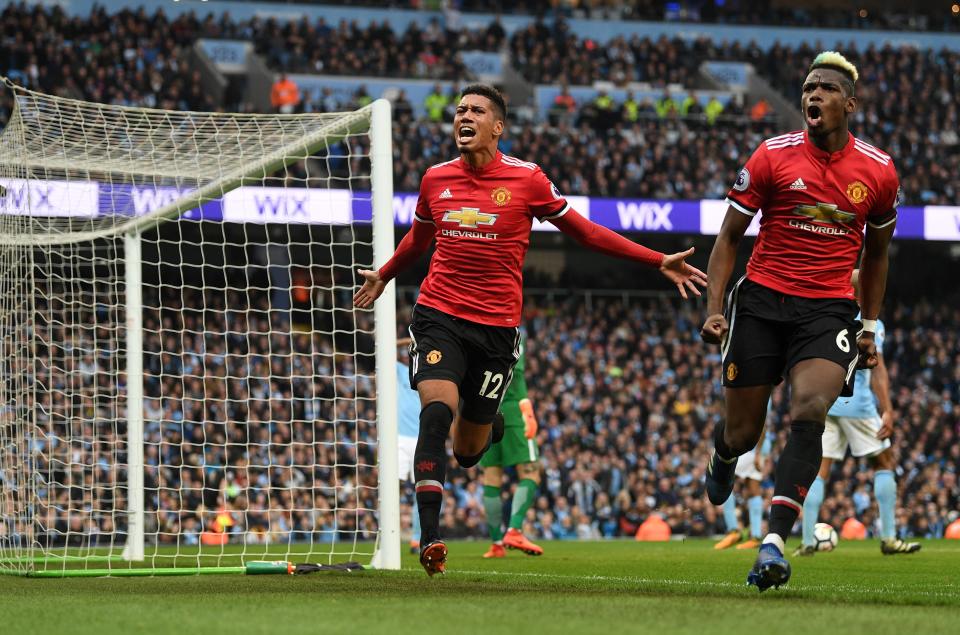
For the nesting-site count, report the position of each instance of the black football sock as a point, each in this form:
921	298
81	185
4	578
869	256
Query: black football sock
724	452
724	460
470	461
795	472
430	467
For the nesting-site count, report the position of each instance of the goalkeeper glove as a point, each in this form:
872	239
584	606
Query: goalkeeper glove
529	419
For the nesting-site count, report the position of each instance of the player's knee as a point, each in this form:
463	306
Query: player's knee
470	448
824	472
492	476
741	440
435	420
809	407
530	471
467	461
884	460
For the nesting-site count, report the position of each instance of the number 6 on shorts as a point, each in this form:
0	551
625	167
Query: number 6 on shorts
842	342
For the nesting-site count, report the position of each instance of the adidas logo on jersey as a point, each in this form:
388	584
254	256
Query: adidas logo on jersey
446	193
798	185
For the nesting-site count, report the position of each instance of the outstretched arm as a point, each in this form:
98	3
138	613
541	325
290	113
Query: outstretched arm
414	244
599	238
722	258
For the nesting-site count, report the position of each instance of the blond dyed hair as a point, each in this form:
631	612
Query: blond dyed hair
833	59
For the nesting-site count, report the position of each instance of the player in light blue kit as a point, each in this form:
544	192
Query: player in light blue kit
408	427
856	423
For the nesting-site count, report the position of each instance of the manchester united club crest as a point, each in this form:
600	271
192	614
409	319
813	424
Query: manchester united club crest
731	372
857	192
433	357
501	196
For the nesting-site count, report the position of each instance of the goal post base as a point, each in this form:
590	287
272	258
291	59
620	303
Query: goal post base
135	573
56	560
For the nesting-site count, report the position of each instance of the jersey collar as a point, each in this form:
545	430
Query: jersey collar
487	168
823	156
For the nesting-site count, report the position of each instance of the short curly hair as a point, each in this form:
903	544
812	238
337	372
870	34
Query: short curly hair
491	93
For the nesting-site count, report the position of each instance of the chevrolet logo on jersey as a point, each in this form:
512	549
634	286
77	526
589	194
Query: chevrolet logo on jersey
469	217
825	213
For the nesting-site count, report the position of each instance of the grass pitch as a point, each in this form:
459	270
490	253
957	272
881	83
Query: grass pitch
600	587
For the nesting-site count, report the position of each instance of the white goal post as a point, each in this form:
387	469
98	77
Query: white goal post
186	386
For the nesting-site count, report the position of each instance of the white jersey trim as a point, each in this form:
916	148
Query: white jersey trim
784	137
867	146
556	215
784	141
785	144
872	153
740	208
882	225
509	160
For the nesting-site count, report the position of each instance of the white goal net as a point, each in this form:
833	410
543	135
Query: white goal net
185	382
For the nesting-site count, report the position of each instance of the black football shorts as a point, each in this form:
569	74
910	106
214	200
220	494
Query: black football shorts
770	332
479	358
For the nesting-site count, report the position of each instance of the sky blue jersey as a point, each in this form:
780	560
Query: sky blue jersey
408	404
863	403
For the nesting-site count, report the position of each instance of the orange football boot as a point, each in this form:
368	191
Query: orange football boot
514	539
732	538
496	550
752	543
433	557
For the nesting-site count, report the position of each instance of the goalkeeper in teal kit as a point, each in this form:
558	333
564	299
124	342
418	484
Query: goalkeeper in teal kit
519	448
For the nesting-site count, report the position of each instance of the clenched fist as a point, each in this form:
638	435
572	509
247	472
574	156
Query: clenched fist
714	329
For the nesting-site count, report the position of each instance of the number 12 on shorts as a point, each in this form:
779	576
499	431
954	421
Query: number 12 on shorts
492	381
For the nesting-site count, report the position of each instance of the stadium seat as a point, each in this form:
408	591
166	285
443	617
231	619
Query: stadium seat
953	530
853	529
653	529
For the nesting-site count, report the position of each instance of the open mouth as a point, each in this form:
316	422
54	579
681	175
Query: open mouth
466	133
814	116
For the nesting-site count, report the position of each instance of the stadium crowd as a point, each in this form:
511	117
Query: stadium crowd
254	430
668	148
259	430
627	395
125	57
760	12
375	50
669	158
255	425
906	95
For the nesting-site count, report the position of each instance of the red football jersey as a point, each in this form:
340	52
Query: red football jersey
483	218
814	206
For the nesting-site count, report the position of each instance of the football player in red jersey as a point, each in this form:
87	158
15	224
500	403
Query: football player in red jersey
794	313
480	208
